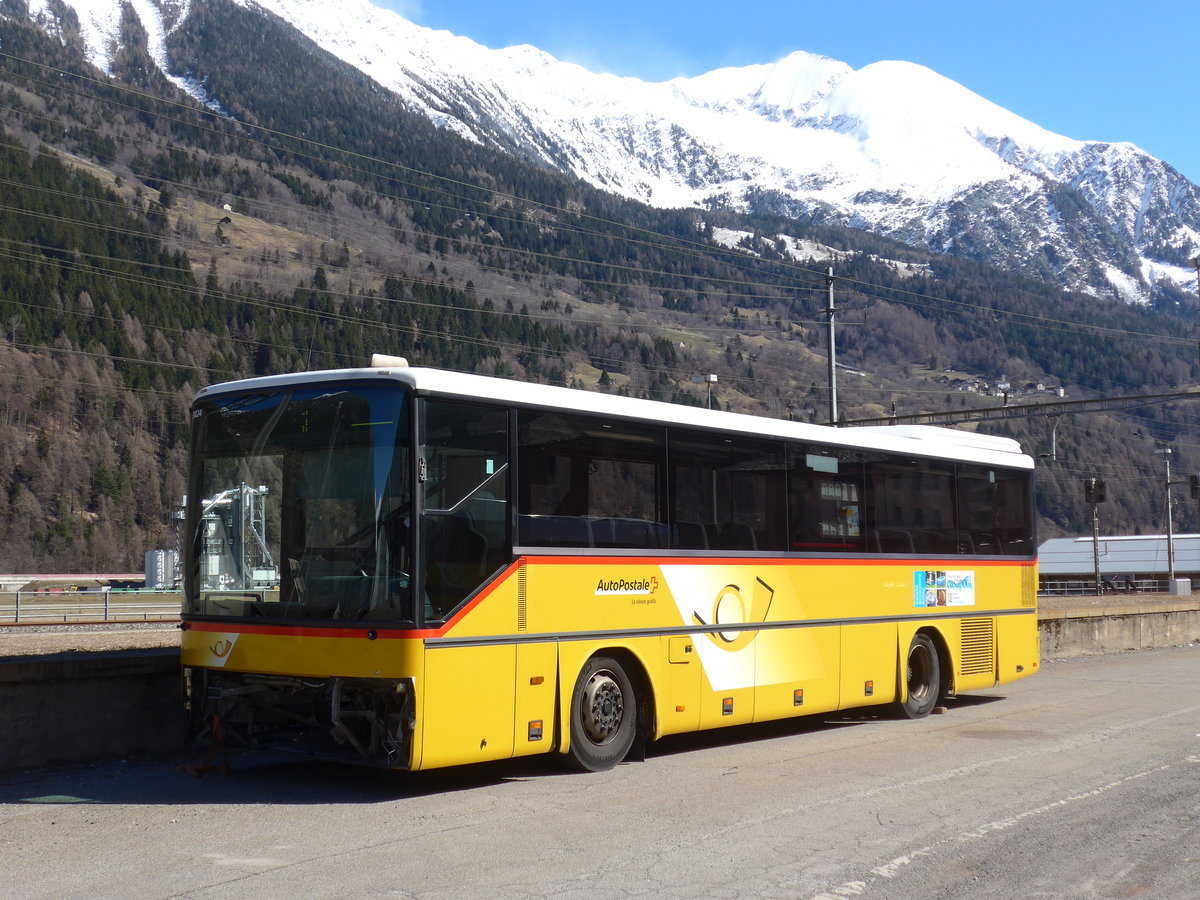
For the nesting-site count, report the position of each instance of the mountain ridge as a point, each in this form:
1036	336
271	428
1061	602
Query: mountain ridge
892	147
992	173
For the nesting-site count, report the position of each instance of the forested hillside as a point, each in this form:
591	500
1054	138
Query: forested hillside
149	246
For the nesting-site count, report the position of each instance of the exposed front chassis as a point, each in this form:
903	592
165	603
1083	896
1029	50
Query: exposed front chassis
368	721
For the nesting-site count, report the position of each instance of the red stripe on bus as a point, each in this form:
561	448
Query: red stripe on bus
303	631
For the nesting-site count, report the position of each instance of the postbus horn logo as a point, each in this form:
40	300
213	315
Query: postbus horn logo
731	608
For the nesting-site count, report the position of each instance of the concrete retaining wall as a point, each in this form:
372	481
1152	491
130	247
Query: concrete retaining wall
89	706
1119	626
86	706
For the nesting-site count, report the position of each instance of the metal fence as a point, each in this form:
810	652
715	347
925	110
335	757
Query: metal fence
1068	587
57	607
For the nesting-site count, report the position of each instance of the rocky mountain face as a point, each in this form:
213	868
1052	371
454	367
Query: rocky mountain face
893	147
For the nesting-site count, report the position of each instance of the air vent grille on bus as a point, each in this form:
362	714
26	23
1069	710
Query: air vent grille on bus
522	597
978	643
1029	580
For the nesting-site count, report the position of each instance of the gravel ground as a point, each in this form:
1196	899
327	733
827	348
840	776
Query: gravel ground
39	640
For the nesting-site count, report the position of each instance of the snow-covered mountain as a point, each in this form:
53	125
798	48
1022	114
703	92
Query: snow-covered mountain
892	147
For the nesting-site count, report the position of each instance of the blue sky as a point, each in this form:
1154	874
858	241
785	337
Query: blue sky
1097	70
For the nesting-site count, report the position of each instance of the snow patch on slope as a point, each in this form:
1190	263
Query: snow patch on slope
1126	286
99	22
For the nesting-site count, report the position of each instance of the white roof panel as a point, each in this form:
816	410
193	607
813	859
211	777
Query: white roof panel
926	440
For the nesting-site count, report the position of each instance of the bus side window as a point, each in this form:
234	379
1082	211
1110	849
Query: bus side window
826	500
726	492
586	481
994	510
912	506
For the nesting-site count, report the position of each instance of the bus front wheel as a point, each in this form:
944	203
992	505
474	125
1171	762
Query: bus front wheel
924	676
603	715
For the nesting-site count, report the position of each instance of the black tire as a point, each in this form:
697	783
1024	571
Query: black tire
603	716
924	677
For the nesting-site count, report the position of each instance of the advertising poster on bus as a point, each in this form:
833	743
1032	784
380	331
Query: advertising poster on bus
941	588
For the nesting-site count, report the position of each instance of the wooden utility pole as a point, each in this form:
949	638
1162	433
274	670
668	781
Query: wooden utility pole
829	310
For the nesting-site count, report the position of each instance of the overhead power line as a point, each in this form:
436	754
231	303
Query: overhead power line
1019	411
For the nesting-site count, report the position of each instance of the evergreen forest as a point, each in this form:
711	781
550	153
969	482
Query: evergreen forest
150	245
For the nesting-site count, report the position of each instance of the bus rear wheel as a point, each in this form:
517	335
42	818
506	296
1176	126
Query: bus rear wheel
924	677
603	716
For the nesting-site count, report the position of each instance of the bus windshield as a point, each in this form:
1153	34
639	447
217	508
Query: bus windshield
299	505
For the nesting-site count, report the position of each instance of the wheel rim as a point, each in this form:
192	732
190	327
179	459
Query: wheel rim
920	672
603	707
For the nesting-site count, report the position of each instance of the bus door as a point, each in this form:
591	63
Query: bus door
465	541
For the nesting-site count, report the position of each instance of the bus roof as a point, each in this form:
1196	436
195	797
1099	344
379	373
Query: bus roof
915	440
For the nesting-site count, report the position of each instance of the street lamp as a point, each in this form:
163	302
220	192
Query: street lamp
710	380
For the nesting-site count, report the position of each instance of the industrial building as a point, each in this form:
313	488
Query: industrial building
1127	564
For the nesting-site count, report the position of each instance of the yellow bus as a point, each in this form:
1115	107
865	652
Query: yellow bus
414	568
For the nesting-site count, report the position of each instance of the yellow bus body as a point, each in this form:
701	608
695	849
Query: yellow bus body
709	641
